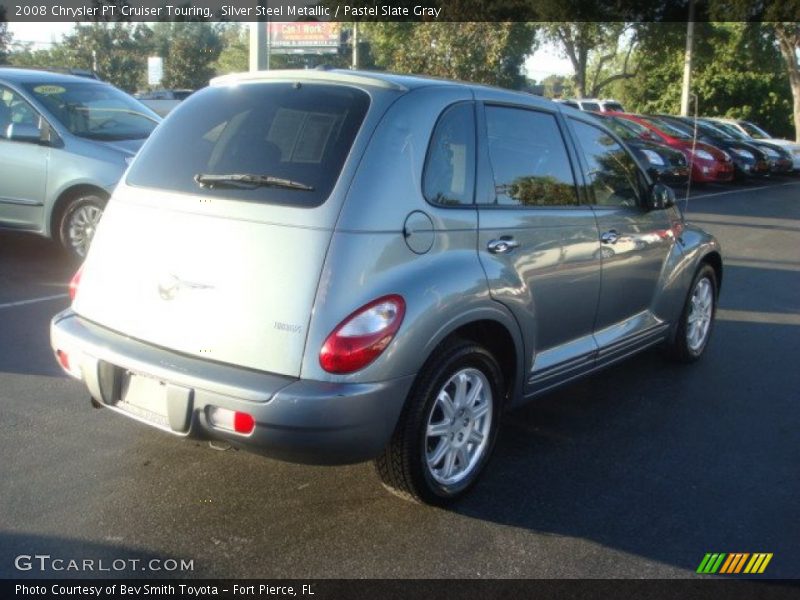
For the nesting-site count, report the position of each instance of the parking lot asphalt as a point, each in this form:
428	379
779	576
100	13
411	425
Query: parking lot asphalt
635	472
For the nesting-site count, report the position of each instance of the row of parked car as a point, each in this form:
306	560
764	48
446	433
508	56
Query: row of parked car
67	138
706	149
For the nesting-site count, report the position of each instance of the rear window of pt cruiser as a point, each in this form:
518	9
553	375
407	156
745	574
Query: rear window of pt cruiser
280	143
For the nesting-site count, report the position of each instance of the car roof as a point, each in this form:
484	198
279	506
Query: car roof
367	78
19	75
379	79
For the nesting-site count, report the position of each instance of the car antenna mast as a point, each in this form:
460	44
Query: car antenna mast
691	160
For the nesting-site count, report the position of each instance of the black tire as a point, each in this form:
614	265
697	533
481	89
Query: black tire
680	349
76	206
403	466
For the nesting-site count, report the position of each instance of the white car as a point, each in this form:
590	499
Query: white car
754	131
593	104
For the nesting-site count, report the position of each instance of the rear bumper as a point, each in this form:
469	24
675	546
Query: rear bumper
297	420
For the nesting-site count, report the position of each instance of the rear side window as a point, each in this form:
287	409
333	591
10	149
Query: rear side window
291	137
612	173
449	175
528	157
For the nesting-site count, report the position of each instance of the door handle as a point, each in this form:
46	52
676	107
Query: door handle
609	237
502	245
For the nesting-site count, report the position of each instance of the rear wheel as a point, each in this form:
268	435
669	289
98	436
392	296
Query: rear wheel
78	222
697	319
448	427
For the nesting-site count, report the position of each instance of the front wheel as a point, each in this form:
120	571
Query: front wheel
448	427
697	319
78	222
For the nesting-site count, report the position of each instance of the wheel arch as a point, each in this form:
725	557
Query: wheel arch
499	334
714	259
63	199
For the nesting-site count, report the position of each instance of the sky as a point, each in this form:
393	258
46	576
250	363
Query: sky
543	63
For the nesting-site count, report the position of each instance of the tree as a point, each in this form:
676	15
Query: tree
491	53
558	86
235	53
114	50
737	73
600	53
5	36
781	24
788	37
189	50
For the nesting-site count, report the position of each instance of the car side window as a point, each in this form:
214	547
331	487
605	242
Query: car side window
449	174
14	110
528	158
612	172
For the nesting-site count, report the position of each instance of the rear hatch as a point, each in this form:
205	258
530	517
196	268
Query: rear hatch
214	244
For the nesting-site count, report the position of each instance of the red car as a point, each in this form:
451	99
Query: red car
709	164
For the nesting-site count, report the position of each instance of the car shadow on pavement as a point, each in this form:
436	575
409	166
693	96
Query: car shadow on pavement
663	461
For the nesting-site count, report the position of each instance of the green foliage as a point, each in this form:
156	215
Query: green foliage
737	72
490	53
115	50
558	86
594	50
189	50
235	53
5	36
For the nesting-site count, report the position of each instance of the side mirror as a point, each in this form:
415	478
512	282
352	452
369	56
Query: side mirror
661	197
24	132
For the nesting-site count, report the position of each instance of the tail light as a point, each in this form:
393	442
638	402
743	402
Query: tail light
363	336
75	283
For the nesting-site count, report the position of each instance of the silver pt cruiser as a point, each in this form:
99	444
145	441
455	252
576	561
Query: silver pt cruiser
342	266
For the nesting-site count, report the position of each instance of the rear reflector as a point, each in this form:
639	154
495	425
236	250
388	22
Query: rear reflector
231	420
70	365
75	282
63	359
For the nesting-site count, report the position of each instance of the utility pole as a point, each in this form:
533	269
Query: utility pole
259	42
355	45
687	62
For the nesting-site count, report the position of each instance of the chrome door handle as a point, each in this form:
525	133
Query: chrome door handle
609	237
502	245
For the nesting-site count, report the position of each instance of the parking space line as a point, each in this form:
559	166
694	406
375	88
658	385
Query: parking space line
32	301
739	191
752	316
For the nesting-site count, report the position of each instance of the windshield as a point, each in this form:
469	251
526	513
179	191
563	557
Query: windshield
622	130
730	130
638	129
592	106
280	143
755	131
613	106
667	128
712	130
95	110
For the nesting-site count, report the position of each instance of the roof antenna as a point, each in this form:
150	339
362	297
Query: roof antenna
691	159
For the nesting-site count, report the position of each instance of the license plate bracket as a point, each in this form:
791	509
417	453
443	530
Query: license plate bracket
146	398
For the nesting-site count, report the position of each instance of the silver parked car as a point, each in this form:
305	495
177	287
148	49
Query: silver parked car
64	143
341	266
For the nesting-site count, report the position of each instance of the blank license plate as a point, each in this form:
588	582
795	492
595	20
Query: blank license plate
145	398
